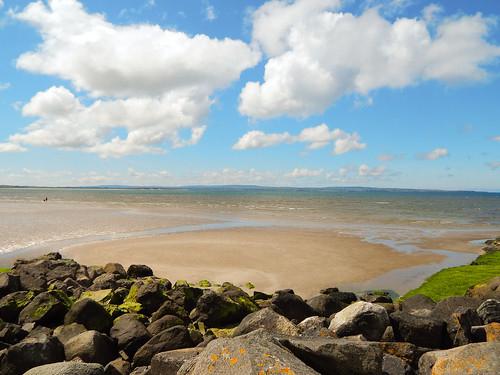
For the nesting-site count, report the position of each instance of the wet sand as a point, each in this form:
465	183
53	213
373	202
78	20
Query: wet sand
271	258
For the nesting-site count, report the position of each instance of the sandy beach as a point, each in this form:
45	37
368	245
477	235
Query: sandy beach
270	258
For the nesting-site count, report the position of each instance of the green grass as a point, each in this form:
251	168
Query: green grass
2	270
456	280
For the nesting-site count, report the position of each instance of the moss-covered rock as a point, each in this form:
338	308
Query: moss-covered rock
12	304
204	284
47	308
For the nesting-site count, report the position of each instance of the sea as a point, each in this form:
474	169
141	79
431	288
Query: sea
395	217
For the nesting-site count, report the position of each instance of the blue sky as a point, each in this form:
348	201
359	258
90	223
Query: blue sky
394	93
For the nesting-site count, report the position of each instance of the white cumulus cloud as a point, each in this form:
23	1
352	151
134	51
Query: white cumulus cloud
304	172
149	86
435	154
316	55
364	170
11	147
497	138
315	137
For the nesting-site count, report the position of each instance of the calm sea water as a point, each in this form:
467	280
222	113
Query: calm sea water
379	215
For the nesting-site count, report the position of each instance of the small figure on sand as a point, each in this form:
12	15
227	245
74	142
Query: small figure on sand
46	199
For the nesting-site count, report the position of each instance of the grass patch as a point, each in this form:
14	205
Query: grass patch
455	281
4	269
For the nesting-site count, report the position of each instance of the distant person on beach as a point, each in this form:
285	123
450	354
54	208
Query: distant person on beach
46	199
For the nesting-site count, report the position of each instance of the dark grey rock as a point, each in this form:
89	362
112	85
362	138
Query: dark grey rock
325	305
90	314
47	308
66	332
11	333
129	333
29	353
91	346
418	330
168	363
292	306
165	322
115	268
418	304
172	338
139	270
118	367
12	304
9	284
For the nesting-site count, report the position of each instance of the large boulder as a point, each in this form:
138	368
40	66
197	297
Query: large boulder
34	274
47	308
329	355
339	357
418	330
90	314
489	311
165	322
291	305
12	304
325	305
9	284
29	353
172	338
364	318
129	333
472	359
171	306
91	346
217	310
253	353
168	363
136	271
67	368
269	320
418	304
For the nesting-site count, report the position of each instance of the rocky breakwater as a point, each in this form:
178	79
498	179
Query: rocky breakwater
58	317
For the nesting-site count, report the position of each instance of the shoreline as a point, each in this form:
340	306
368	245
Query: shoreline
271	257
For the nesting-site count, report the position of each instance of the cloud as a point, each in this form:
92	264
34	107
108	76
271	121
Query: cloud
304	172
430	12
11	147
494	165
258	139
1	3
435	154
4	85
230	176
315	137
210	14
317	55
364	170
148	86
496	139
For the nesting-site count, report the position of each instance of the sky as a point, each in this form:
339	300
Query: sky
382	93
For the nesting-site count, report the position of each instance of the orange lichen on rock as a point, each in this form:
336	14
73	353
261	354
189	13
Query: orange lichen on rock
493	332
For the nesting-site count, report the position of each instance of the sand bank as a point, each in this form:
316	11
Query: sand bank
271	258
